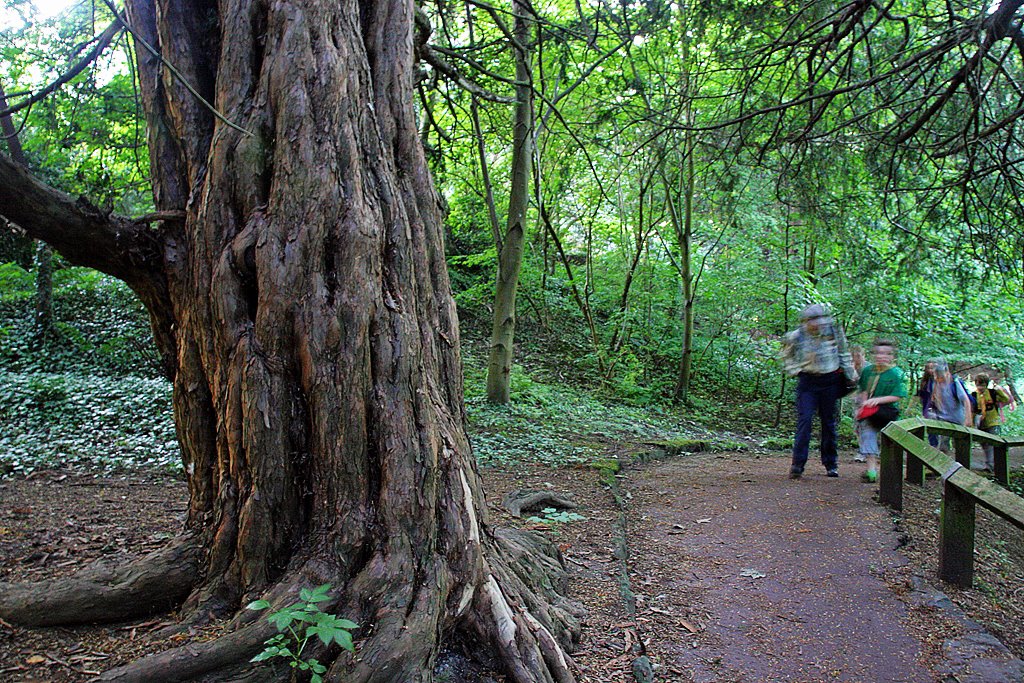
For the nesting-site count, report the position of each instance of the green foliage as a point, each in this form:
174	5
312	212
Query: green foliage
777	443
50	420
777	221
15	282
552	424
1017	482
554	516
300	622
100	325
86	138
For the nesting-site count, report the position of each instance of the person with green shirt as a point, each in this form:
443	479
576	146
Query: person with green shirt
990	399
882	385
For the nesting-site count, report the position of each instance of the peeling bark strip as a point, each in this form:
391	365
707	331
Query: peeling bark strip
312	339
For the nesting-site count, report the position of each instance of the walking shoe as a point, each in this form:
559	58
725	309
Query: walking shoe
795	472
833	472
870	476
859	458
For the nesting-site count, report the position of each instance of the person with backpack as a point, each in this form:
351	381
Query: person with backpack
882	385
989	399
949	401
924	394
816	353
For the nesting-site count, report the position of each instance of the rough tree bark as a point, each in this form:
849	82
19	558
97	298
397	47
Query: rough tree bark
298	293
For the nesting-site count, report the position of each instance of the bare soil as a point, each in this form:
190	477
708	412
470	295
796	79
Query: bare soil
739	574
781	580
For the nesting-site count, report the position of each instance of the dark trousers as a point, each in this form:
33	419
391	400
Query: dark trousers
817	394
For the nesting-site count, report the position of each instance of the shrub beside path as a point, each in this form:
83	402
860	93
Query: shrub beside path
759	578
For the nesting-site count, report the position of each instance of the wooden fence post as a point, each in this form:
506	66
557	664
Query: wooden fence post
890	474
962	449
1001	463
915	469
956	534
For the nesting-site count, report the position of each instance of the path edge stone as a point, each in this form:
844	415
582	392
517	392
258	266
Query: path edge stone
975	656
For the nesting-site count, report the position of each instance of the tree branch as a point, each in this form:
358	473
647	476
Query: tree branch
102	41
83	234
432	56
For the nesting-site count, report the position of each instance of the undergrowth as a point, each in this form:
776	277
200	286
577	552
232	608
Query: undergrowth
100	328
555	424
50	420
90	397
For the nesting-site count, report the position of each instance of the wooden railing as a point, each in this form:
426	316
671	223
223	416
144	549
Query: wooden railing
962	489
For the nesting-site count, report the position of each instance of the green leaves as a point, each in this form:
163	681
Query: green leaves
329	628
298	623
86	138
555	516
86	421
318	594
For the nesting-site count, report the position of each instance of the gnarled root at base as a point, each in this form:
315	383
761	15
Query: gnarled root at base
228	655
514	610
225	658
523	611
516	613
152	584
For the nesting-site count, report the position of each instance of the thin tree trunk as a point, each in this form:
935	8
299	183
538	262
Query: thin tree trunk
43	259
582	303
785	321
499	366
642	234
685	237
44	292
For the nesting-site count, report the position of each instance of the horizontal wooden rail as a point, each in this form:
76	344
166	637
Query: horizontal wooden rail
962	489
963	438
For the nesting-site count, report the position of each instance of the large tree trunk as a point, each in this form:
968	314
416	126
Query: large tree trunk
304	302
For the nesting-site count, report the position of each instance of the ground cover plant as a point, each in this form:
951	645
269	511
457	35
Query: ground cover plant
99	327
87	422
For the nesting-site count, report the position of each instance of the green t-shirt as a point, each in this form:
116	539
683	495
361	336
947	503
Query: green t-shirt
892	382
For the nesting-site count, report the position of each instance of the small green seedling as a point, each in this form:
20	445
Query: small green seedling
556	516
298	623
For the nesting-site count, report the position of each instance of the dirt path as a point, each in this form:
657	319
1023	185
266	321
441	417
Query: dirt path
773	579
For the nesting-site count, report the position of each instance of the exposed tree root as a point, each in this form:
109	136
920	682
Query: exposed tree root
514	615
225	658
523	500
522	610
155	583
228	655
517	614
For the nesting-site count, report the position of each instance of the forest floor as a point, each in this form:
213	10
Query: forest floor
735	573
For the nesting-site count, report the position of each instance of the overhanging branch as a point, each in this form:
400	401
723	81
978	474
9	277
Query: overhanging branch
102	41
84	235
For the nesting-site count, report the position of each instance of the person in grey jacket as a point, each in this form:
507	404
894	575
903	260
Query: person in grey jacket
816	353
